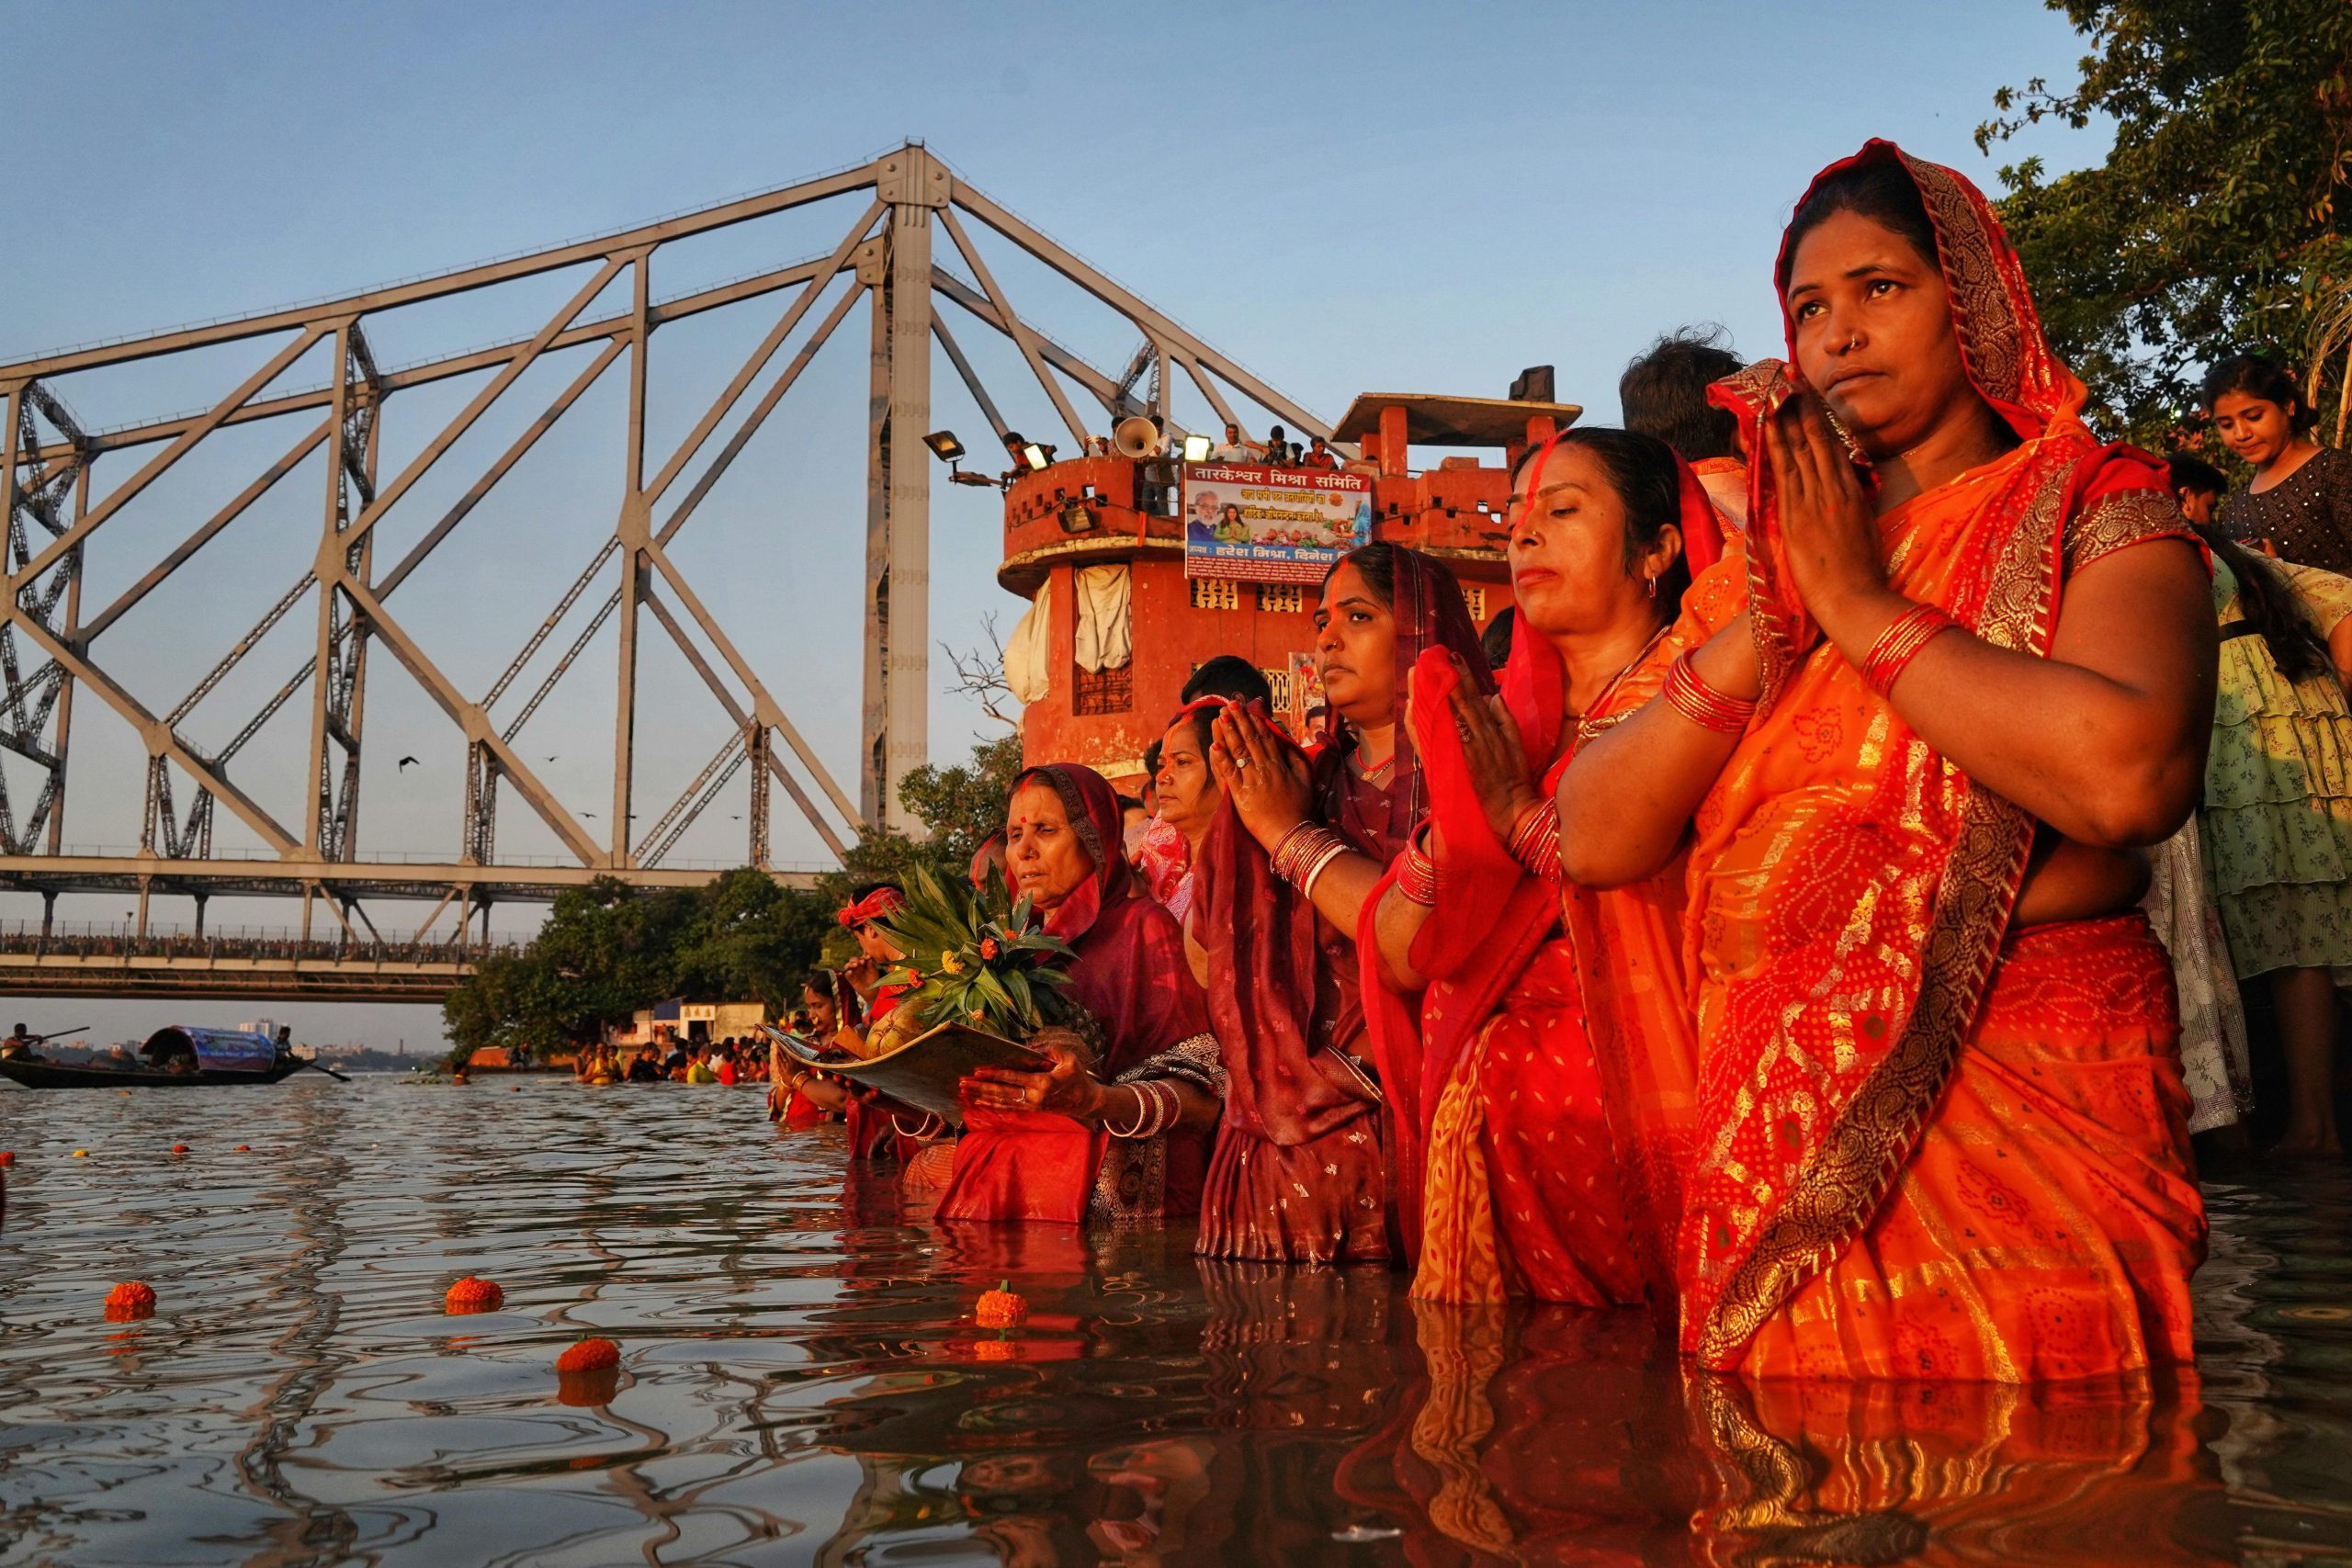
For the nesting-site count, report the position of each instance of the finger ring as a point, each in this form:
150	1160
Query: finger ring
1241	761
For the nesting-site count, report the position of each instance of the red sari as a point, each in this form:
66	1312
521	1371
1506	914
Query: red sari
1299	1173
1931	1144
1527	1186
1130	973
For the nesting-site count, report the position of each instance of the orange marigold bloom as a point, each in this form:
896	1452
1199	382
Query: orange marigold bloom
471	1294
130	1300
1000	1308
588	1355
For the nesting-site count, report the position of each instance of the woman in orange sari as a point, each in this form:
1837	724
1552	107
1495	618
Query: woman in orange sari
1941	1130
1523	1189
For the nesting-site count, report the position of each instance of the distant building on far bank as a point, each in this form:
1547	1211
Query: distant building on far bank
679	1019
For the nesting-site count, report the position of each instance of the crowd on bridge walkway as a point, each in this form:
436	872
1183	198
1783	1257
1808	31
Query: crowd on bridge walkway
1828	912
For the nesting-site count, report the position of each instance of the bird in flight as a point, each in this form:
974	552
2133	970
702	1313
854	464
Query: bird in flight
588	814
405	761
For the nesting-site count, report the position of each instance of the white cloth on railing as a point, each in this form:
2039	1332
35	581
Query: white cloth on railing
1028	656
1104	639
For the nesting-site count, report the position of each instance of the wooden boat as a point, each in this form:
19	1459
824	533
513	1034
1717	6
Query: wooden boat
203	1058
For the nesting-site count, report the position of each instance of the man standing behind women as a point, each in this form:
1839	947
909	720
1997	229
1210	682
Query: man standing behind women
1286	879
1525	1191
1940	1114
1664	394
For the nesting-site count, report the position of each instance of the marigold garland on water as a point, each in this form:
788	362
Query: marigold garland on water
130	1300
589	1356
472	1294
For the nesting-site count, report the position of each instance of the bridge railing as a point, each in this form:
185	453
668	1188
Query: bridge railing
66	938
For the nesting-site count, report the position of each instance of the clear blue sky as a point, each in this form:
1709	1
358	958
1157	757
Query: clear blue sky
1378	195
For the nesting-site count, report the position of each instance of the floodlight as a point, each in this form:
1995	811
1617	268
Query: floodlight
1077	517
1034	455
1196	448
943	446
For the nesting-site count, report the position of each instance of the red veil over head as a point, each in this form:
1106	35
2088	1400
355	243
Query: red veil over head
1491	917
2009	360
1430	613
1770	1210
1130	971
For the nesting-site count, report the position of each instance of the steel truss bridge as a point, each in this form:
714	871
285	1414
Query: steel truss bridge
915	253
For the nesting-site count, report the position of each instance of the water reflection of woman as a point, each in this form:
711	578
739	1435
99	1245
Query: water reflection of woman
1909	909
1118	1133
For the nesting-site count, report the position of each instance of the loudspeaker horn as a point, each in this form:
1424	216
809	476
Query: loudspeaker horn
1137	437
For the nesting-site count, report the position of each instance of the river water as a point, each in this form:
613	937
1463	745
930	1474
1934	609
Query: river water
802	1382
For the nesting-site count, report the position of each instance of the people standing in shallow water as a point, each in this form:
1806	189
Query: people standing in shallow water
1940	1117
1504	1128
1117	1131
2299	505
1285	878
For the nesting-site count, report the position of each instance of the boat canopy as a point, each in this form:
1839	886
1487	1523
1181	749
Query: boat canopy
216	1050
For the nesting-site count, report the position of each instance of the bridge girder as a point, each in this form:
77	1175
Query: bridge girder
887	257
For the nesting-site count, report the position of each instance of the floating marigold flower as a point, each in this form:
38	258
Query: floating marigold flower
7	1158
1000	1308
589	1356
179	1148
471	1294
589	1374
130	1300
242	1149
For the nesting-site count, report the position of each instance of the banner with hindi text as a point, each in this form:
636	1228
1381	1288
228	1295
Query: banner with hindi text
1264	524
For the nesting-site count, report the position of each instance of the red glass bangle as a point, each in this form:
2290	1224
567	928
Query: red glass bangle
1416	876
1900	643
1688	693
1535	841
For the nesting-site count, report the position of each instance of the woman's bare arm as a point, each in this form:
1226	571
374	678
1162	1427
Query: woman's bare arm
2104	740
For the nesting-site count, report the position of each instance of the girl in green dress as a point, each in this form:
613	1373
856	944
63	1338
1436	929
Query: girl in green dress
2277	821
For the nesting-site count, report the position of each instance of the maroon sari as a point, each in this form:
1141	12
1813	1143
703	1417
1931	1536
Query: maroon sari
1131	974
1299	1173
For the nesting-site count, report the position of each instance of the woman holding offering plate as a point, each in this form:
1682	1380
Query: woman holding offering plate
1118	1133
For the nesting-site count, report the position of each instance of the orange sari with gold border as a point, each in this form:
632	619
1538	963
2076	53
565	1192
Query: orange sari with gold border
1927	1145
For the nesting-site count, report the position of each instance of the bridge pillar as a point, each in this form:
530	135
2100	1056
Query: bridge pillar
897	268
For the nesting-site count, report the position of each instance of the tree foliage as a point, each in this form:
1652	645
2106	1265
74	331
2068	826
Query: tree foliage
2216	222
609	949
